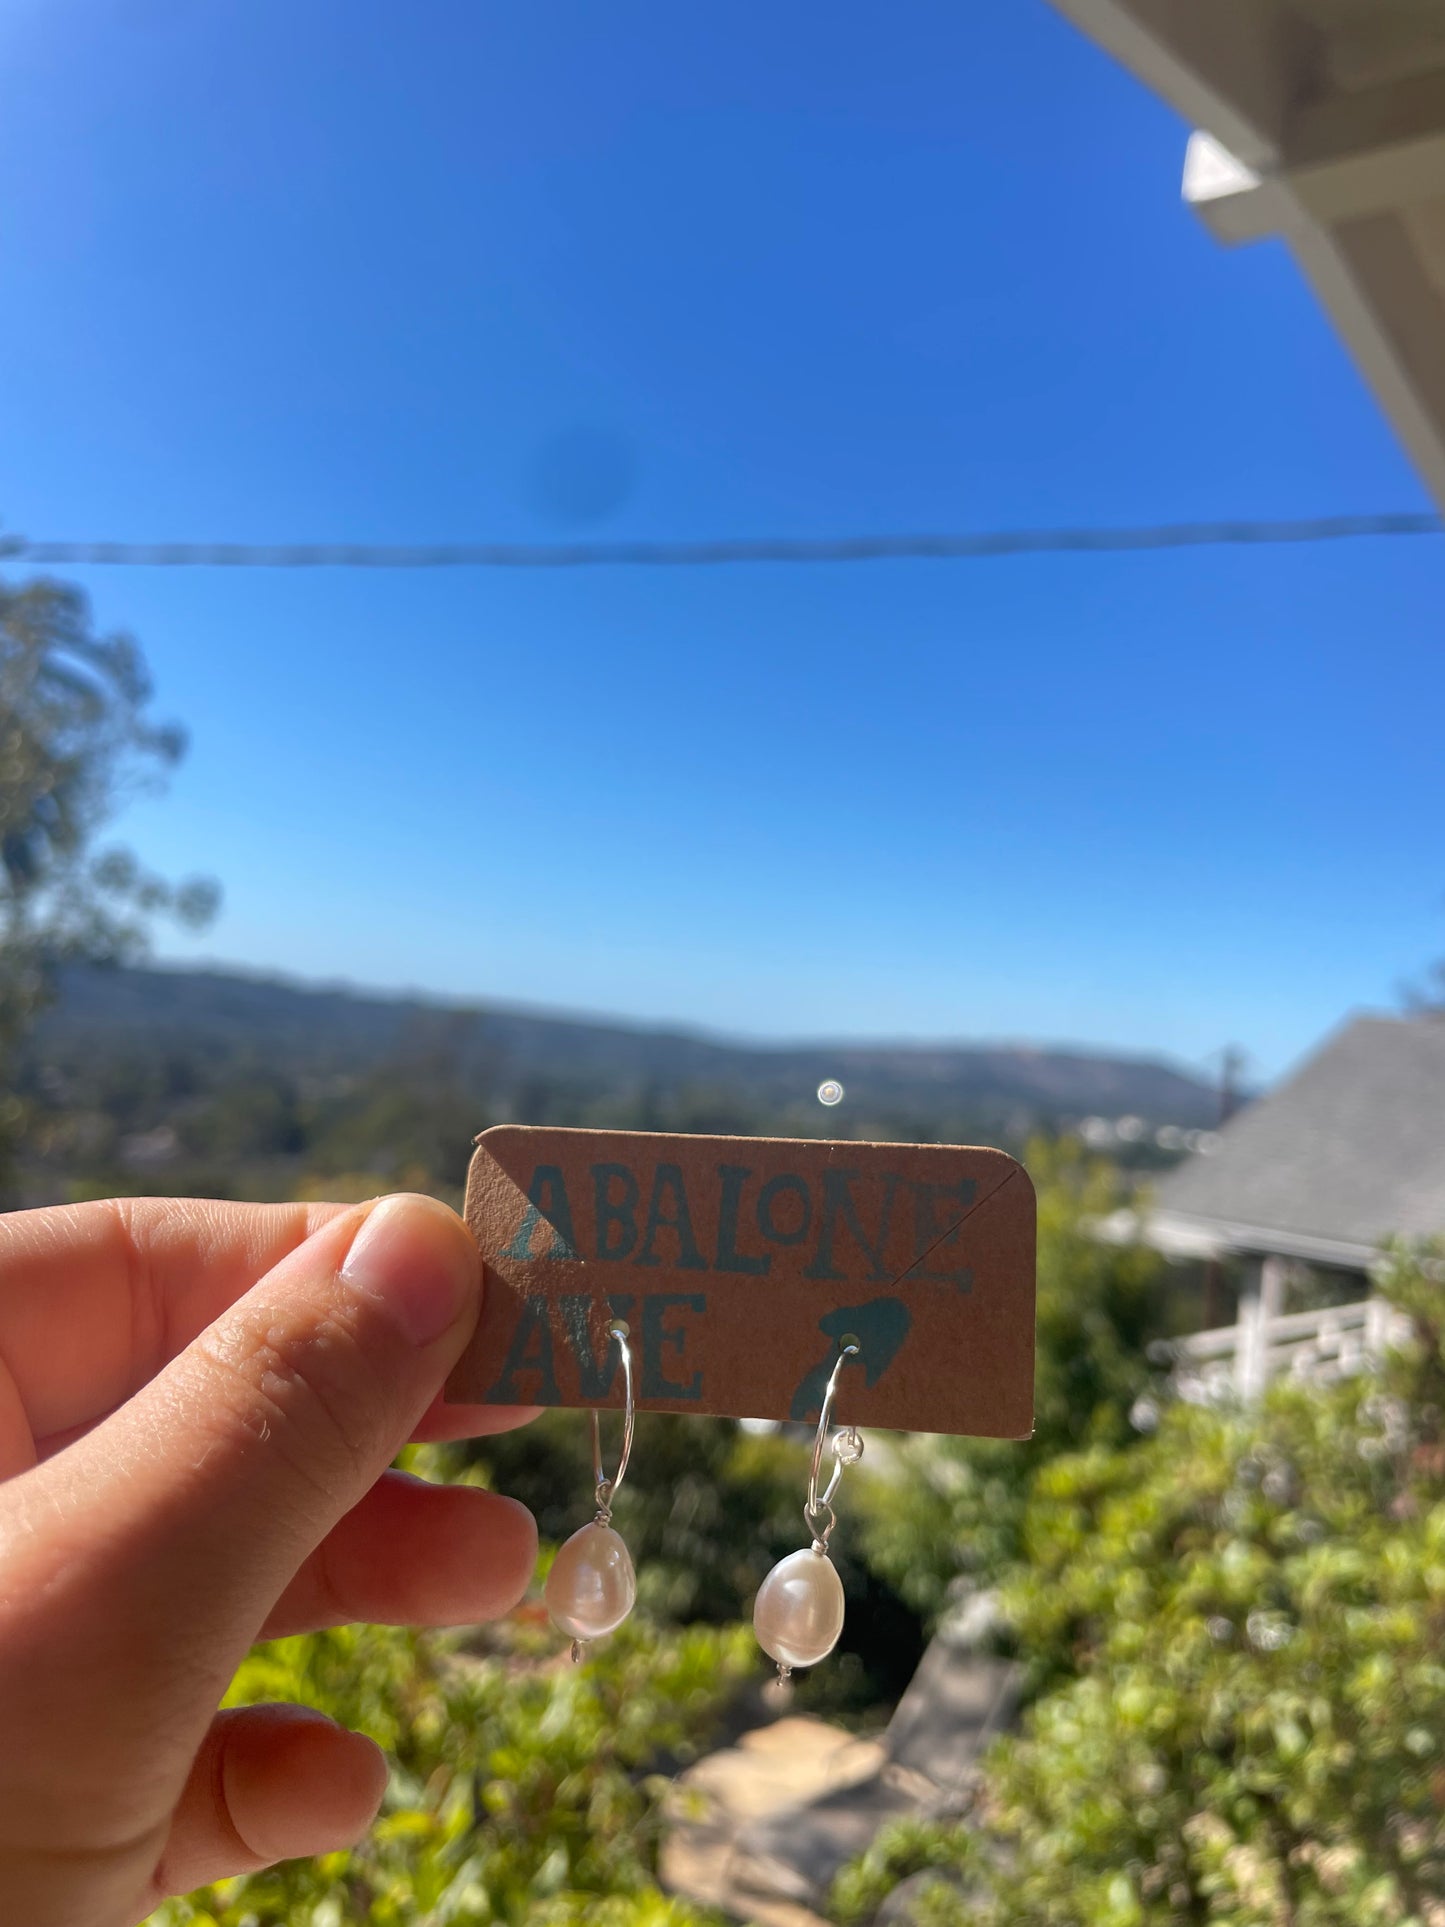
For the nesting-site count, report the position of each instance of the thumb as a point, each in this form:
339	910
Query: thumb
157	1544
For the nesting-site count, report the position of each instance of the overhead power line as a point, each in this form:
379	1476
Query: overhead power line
710	554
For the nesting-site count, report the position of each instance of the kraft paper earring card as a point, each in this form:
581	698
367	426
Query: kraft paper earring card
742	1265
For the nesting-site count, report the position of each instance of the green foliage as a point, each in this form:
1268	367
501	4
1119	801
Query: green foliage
1243	1622
522	1787
903	1849
957	1510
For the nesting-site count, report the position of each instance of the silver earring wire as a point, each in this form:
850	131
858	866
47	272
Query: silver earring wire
607	1489
818	1514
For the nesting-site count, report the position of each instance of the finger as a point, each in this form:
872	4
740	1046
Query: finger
444	1421
160	1542
17	1450
269	1783
130	1282
413	1554
439	1423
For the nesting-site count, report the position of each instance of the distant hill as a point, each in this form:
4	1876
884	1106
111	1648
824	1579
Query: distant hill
512	1058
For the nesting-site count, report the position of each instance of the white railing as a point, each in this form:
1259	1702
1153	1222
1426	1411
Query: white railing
1242	1358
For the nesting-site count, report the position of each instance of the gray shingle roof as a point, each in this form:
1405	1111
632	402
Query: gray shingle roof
1348	1152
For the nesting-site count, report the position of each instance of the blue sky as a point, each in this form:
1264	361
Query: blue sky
354	271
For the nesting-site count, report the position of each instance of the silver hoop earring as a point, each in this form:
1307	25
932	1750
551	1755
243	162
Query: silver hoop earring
798	1613
592	1585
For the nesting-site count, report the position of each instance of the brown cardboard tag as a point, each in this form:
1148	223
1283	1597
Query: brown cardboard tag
740	1265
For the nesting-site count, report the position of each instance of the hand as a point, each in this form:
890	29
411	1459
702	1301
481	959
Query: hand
198	1406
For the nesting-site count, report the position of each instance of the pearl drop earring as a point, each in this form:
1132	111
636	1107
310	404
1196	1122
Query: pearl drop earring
592	1585
798	1613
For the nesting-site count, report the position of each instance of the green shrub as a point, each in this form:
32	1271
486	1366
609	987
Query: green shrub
1243	1621
901	1850
521	1786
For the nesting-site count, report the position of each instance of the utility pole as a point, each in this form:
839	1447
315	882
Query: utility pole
1231	1063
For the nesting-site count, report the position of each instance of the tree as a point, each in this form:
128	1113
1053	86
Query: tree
76	743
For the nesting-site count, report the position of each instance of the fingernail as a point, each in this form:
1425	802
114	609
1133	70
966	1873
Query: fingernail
416	1258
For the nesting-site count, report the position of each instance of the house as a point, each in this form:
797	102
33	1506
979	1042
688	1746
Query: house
1307	1185
1347	1153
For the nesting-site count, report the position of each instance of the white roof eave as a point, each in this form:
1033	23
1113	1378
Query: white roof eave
1353	178
1176	1235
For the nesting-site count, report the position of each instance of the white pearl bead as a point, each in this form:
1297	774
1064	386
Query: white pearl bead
591	1587
798	1613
